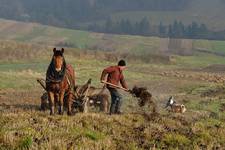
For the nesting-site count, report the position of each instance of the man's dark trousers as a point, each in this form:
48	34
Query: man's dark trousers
116	101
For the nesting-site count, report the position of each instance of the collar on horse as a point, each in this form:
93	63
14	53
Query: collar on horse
54	76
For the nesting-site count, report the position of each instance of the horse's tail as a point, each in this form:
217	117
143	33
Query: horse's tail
70	75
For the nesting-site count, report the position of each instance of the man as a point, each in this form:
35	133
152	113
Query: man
115	76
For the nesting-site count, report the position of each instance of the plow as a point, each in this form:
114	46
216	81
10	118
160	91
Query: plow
84	96
79	97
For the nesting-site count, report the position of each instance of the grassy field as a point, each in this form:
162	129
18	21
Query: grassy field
212	46
24	126
47	35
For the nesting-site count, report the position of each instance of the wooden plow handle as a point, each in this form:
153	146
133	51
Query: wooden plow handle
41	81
116	86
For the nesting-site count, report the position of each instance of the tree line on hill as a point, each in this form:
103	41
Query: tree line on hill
76	14
70	12
175	30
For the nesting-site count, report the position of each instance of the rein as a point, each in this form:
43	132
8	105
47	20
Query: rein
41	82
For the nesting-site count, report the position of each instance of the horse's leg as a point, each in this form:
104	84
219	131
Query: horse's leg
69	104
51	102
61	100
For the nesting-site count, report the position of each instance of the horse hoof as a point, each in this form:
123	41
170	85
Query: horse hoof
69	113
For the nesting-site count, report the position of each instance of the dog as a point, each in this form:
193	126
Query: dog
176	108
144	97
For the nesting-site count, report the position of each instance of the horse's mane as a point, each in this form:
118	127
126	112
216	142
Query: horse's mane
54	76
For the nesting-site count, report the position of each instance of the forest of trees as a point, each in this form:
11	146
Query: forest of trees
69	13
73	13
144	28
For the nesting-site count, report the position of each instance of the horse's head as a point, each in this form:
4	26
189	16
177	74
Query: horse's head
58	59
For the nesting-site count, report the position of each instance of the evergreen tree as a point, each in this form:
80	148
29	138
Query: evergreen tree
175	29
188	31
180	30
129	27
194	28
162	30
170	31
203	31
144	27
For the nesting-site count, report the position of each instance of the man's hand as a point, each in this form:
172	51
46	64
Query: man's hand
103	81
129	90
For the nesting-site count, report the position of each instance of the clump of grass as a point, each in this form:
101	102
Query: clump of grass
202	138
94	135
25	143
208	133
176	140
133	146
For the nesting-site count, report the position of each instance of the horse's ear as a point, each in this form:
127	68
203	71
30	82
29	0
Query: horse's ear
89	81
62	50
54	49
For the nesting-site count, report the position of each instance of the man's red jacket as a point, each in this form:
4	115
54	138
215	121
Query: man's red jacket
115	76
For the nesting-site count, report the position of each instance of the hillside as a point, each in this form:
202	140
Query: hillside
53	36
81	13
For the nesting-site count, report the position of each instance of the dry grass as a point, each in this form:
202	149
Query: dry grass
38	130
23	126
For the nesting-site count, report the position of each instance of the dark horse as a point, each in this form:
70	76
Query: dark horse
60	82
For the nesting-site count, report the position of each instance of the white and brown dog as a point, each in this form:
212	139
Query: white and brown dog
176	108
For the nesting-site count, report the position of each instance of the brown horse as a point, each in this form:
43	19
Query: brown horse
60	82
